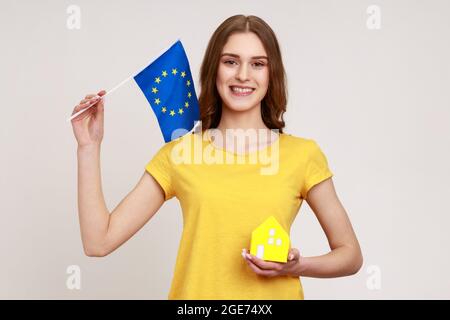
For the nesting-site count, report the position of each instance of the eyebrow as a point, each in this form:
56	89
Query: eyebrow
237	56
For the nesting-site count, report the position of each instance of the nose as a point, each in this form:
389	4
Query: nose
242	73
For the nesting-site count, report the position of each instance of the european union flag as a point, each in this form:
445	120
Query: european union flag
167	84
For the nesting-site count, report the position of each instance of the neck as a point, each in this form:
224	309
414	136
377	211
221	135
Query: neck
250	119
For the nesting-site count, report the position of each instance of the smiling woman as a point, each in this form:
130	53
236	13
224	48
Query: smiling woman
241	76
243	54
243	90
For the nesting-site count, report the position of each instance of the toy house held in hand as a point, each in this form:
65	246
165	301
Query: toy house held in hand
270	242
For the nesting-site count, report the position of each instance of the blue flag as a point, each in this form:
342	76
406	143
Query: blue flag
167	84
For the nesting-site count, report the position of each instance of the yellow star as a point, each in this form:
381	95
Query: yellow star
154	90
157	80
164	73
174	72
157	101
188	83
164	109
186	104
180	111
172	113
183	74
189	94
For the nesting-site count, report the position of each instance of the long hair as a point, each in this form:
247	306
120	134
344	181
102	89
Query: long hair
273	106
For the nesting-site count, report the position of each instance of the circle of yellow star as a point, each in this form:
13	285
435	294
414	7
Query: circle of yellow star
172	113
183	74
164	73
154	90
180	111
189	94
157	80
164	109
186	104
188	83
157	101
174	72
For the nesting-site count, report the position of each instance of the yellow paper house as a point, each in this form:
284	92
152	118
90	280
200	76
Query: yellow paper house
270	241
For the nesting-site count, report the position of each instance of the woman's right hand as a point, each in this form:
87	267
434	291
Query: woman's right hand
88	126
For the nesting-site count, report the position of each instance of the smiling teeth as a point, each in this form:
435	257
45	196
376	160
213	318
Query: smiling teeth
240	90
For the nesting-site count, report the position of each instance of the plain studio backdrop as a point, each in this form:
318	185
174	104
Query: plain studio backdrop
369	81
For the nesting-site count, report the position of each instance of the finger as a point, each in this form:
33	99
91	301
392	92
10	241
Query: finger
89	103
99	112
84	105
266	265
78	108
90	95
81	107
101	93
294	254
90	99
86	111
83	115
259	271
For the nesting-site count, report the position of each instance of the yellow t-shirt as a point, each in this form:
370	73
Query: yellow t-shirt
222	203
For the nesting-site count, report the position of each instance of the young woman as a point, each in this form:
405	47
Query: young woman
243	89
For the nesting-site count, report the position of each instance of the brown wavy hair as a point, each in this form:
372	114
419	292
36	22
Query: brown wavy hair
273	105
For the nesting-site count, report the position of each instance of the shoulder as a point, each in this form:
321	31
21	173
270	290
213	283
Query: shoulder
179	149
168	146
306	150
298	143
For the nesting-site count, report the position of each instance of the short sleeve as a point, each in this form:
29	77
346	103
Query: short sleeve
316	170
161	169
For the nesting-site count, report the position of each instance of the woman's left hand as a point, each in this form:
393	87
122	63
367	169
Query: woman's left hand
272	269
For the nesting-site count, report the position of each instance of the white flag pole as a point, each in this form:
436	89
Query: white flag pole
107	92
120	84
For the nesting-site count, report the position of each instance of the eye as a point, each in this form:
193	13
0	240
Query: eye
259	64
230	62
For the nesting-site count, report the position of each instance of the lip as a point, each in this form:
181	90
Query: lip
242	87
241	94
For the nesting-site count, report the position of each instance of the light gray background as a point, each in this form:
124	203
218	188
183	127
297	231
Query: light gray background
376	101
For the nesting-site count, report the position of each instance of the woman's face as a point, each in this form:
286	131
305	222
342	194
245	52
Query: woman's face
243	73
